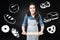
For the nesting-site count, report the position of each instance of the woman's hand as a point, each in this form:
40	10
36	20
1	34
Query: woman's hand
40	33
24	33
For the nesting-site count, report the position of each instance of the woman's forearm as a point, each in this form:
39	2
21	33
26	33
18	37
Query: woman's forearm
23	29
32	33
42	28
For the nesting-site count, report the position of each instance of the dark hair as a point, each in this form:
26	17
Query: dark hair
36	13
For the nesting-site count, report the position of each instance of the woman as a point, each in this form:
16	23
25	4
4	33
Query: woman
32	19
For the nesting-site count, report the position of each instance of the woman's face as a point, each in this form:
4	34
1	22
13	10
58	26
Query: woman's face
32	9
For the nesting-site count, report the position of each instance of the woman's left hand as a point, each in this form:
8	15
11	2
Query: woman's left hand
40	33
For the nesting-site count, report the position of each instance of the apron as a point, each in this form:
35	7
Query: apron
32	27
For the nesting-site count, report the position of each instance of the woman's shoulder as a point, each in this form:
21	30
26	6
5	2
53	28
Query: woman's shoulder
26	16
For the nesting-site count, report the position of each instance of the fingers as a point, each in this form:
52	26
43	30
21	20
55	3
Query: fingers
41	33
24	33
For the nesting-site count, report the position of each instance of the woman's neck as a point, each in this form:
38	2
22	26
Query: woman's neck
33	15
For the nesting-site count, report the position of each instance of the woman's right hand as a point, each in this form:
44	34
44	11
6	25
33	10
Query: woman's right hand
24	33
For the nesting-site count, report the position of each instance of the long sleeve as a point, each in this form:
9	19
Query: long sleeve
24	21
41	21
